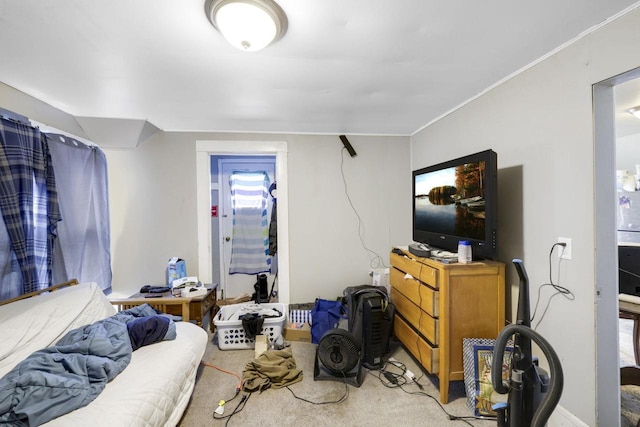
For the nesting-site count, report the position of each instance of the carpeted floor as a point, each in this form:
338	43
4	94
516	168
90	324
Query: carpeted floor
371	404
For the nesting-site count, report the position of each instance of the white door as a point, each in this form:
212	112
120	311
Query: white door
235	285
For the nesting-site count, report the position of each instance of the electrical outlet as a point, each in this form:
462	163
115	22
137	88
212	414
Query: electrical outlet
564	252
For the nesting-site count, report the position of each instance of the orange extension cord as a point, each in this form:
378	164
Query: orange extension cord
226	372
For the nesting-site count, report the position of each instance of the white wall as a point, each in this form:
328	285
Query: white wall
326	252
153	202
541	125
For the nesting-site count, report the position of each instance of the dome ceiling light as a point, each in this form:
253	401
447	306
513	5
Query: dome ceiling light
249	25
634	111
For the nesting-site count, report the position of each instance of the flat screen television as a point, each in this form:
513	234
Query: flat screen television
457	200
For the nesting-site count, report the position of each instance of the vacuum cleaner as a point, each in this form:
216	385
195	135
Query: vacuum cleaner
532	393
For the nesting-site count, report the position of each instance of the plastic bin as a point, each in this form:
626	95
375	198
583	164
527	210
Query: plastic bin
231	334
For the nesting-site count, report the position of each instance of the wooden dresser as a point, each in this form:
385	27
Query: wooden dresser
437	305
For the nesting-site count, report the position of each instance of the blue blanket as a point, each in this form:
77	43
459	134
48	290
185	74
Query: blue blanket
56	380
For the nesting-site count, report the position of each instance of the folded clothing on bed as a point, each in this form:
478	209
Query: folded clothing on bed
146	325
147	330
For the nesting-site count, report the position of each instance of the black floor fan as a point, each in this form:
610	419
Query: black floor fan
533	395
338	358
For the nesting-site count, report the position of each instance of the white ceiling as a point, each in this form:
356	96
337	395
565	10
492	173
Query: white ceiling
343	67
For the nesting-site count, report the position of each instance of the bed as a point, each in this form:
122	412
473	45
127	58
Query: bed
152	390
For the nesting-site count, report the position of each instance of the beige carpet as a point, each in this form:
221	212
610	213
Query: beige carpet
372	404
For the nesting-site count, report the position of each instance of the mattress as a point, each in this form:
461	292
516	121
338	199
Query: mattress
153	390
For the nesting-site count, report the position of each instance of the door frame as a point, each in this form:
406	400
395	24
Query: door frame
245	160
207	148
606	253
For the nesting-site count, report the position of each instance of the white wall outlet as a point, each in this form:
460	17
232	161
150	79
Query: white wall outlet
564	252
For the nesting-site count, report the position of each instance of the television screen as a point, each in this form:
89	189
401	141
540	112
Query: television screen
456	200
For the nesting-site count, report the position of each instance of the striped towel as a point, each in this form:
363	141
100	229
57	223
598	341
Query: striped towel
250	245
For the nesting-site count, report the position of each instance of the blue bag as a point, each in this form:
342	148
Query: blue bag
325	315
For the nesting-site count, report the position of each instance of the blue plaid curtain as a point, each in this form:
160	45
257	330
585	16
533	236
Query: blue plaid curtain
28	201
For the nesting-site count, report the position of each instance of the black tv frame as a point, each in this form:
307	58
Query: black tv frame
485	248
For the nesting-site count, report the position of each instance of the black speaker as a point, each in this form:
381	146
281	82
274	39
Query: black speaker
348	146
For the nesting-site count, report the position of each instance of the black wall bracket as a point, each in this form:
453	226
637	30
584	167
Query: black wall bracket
348	146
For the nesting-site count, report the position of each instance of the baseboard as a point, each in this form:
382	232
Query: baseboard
563	418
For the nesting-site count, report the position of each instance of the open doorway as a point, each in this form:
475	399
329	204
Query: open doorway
224	225
627	128
606	244
204	151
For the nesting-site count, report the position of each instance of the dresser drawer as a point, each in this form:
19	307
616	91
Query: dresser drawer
200	307
427	325
424	296
428	356
420	271
209	301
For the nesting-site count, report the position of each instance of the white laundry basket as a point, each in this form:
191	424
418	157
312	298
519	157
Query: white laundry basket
228	321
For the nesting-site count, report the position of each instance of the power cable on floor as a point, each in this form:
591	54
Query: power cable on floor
390	378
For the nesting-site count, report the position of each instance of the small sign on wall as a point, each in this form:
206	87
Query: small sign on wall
214	211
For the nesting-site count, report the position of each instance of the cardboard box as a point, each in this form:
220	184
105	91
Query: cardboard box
260	345
297	332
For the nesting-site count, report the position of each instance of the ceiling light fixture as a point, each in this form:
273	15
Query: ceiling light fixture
249	25
635	111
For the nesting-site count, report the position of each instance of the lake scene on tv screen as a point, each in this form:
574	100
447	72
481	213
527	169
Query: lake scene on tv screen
452	201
